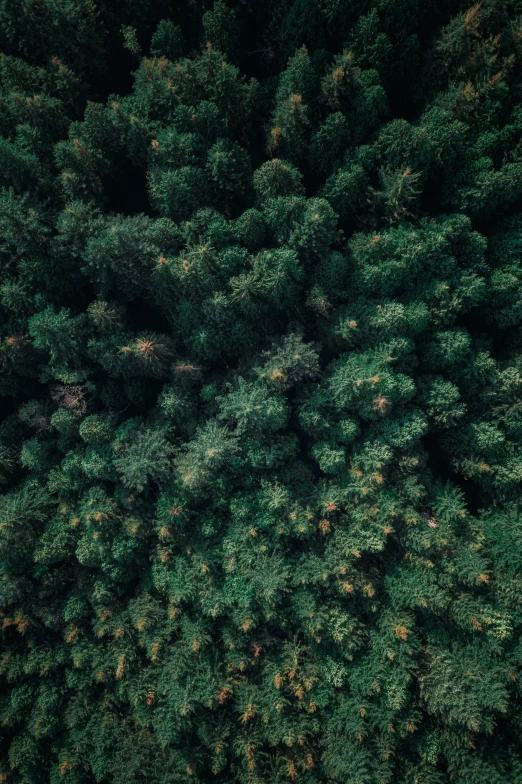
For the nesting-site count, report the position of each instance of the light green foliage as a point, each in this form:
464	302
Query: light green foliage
141	454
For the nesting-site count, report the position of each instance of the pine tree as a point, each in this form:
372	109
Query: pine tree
261	431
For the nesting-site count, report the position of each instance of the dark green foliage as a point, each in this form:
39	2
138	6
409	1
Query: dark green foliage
167	41
220	29
261	383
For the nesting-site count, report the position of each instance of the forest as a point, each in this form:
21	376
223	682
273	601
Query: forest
260	392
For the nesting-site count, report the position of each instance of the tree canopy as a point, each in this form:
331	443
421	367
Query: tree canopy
261	392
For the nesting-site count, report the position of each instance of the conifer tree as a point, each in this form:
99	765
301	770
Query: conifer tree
261	377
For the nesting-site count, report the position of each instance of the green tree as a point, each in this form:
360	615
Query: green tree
261	382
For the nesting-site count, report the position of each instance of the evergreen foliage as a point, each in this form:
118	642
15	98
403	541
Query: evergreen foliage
261	389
